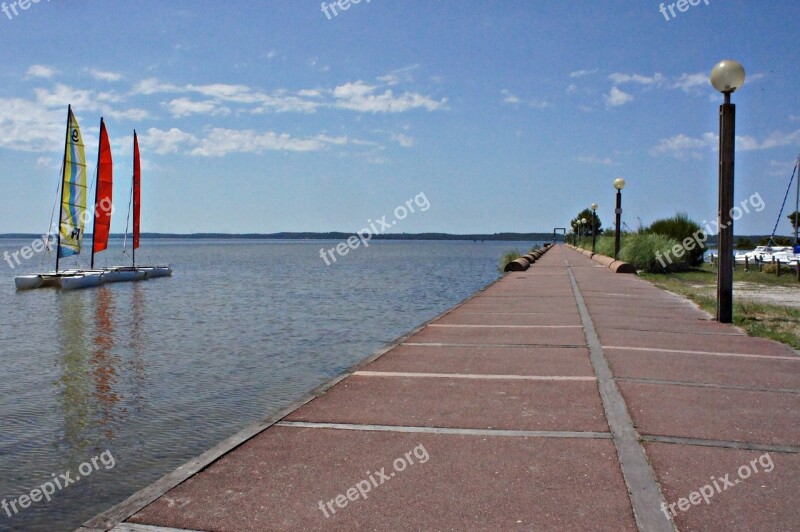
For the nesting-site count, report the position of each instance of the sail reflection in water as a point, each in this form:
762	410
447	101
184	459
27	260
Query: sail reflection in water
101	361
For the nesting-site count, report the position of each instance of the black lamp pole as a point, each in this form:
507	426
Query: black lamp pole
726	77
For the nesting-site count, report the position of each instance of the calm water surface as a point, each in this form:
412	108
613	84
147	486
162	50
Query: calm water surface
159	371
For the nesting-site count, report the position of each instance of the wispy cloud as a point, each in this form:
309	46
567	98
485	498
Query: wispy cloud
166	141
220	141
682	146
508	97
594	159
356	96
102	75
41	71
403	140
184	107
691	82
616	97
618	78
582	73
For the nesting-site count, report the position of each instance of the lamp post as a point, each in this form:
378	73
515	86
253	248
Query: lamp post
594	225
619	184
583	229
726	77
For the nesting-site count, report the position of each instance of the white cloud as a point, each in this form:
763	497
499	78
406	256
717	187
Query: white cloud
403	140
794	118
593	159
359	96
682	146
782	168
572	88
45	162
220	142
184	107
101	75
581	73
616	97
169	141
779	139
354	96
41	71
690	82
508	97
154	86
619	78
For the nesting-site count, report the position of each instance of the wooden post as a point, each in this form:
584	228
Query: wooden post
778	268
746	264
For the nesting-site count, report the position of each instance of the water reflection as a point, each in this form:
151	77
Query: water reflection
138	362
75	388
104	363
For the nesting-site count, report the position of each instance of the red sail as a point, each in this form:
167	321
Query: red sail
137	178
103	199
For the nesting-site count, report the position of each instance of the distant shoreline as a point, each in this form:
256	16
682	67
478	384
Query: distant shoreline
335	235
338	235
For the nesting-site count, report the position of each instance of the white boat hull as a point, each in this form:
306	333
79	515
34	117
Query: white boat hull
85	280
151	272
28	282
121	275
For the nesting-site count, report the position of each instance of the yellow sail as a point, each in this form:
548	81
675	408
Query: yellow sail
73	191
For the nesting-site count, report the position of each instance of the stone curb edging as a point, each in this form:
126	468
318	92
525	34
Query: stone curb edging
616	266
524	262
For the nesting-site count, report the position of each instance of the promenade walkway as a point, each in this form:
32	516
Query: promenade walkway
565	397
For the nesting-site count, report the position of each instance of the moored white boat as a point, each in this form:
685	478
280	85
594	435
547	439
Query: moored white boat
81	280
123	274
71	219
151	272
764	254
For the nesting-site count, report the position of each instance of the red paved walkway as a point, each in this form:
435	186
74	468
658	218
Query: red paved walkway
562	398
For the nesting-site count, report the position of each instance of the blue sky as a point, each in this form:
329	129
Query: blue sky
268	116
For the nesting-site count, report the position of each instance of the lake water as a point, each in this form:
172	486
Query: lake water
151	374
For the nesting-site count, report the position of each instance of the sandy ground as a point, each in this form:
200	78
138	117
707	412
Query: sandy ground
768	295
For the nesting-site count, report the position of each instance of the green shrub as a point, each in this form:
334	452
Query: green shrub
644	250
605	245
508	256
679	228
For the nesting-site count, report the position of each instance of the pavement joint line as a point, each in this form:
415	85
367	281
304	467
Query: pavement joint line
707	385
474	376
447	430
643	487
724	444
133	527
707	353
676	332
502	313
434	344
508	326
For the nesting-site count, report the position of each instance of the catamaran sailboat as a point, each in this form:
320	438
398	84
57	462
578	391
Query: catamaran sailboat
73	215
71	218
102	223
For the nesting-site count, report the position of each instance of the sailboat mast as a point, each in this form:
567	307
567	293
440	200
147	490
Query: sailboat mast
61	188
96	196
797	203
135	195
